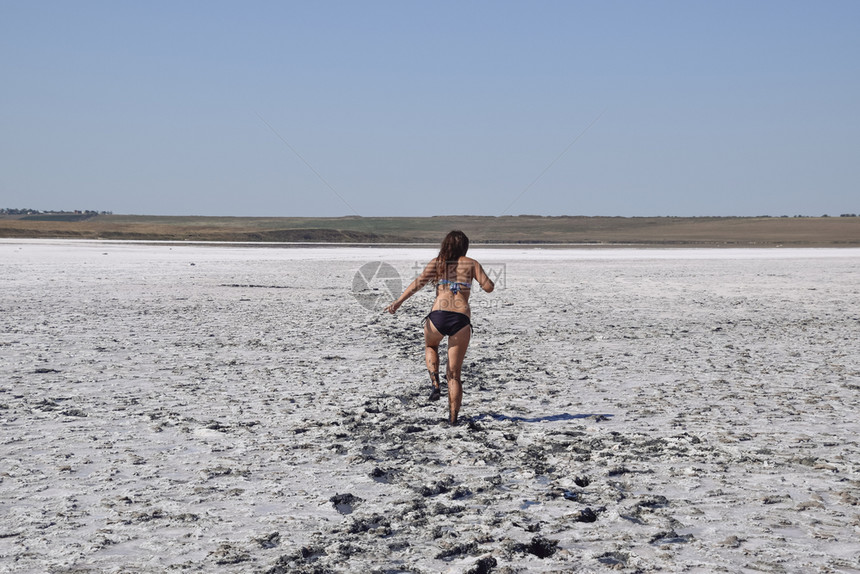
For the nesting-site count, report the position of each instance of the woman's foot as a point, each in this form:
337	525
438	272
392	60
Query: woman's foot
455	400
434	380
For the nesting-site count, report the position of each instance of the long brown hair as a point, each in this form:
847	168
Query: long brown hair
454	246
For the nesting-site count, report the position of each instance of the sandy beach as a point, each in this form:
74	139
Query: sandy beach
206	408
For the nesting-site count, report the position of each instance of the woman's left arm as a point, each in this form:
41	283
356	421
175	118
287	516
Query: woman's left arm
483	280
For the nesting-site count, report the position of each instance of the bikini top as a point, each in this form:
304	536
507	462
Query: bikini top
454	285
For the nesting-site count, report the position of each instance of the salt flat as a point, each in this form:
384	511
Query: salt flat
198	408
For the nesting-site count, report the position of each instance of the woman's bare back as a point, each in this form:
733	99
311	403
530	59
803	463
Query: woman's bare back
452	291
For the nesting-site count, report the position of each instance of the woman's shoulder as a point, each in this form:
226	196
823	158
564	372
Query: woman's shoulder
471	264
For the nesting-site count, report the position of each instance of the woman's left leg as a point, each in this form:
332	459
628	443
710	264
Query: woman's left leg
458	343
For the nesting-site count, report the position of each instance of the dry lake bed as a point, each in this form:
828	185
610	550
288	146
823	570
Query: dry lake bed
226	409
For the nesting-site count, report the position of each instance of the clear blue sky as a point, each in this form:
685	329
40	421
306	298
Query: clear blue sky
431	108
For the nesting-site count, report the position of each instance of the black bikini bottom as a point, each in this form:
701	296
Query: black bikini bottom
448	322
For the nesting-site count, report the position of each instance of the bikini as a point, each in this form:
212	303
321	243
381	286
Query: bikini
450	322
454	285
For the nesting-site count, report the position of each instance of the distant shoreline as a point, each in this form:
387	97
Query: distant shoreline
508	231
432	246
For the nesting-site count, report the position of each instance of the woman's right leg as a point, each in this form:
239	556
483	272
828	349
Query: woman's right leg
432	338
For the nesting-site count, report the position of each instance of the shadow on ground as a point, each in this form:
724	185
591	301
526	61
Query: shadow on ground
542	419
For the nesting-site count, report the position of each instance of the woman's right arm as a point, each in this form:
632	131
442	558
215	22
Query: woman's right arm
417	284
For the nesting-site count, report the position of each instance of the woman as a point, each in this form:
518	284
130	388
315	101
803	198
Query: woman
452	273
